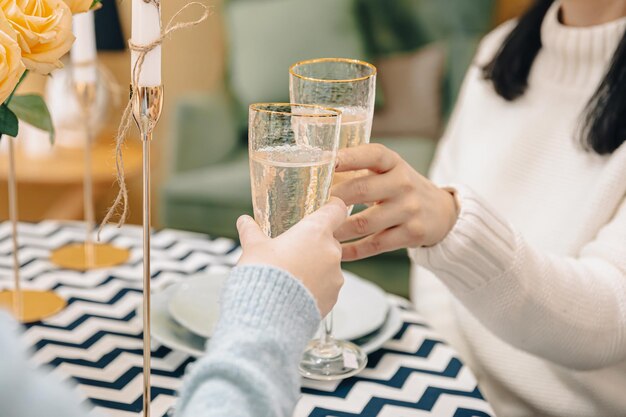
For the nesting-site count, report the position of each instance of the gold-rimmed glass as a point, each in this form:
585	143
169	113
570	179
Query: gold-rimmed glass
292	150
348	85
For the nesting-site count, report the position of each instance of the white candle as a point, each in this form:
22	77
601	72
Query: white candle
83	54
146	28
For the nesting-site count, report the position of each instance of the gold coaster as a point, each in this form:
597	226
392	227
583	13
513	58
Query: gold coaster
34	306
82	257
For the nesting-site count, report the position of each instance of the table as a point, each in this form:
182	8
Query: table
96	340
61	170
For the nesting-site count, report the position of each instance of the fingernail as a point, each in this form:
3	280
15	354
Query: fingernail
241	220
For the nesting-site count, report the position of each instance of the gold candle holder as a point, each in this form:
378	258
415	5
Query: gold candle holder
28	306
147	104
88	255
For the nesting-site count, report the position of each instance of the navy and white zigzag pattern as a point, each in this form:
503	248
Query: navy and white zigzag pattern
96	341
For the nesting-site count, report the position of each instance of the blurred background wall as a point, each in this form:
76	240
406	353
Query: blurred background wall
213	71
193	60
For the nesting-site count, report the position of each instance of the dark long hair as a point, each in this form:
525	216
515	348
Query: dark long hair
603	122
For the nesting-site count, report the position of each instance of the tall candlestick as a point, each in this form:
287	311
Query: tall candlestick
147	102
146	28
83	54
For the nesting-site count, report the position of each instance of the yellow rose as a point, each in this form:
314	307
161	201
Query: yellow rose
11	65
44	31
79	6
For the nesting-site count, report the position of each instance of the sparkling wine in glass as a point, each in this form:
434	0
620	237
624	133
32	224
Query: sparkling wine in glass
292	149
297	174
348	85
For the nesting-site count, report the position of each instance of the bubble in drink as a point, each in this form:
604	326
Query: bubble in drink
288	182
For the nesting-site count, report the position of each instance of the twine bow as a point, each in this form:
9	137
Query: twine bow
122	196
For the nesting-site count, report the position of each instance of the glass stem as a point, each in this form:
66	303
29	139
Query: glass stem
327	336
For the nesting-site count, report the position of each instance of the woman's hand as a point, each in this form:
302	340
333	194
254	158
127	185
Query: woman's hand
406	209
308	251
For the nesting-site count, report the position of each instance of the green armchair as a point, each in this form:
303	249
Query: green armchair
209	186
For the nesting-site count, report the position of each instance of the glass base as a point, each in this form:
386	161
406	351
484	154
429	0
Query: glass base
337	360
32	306
83	257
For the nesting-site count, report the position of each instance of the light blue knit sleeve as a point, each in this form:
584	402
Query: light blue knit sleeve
250	369
27	391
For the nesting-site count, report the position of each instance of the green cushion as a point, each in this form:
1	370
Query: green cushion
225	184
266	37
204	129
210	199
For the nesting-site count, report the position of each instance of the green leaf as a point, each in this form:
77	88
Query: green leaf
33	110
8	122
94	4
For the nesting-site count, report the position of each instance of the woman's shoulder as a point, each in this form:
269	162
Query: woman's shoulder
490	44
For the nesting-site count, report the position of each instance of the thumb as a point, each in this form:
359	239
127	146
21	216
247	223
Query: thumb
331	215
249	232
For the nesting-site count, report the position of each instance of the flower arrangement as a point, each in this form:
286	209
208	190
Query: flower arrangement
34	35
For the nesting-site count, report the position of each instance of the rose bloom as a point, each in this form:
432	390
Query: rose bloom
11	66
44	31
79	6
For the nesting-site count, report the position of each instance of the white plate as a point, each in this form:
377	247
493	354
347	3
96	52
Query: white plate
195	303
174	336
392	325
361	308
169	333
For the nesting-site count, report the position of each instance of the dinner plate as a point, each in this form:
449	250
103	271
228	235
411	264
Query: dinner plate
169	333
195	302
176	337
360	310
393	324
361	307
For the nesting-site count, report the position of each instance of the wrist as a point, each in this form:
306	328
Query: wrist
452	209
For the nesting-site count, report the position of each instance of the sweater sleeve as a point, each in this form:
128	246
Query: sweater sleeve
27	391
569	310
250	369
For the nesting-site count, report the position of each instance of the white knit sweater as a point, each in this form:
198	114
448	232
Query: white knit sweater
534	271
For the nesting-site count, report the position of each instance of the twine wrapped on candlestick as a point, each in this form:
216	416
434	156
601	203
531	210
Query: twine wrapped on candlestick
122	196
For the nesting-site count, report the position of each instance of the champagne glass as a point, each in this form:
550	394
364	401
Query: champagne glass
292	149
348	85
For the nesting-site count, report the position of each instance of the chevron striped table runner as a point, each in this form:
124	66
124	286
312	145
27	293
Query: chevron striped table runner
96	341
